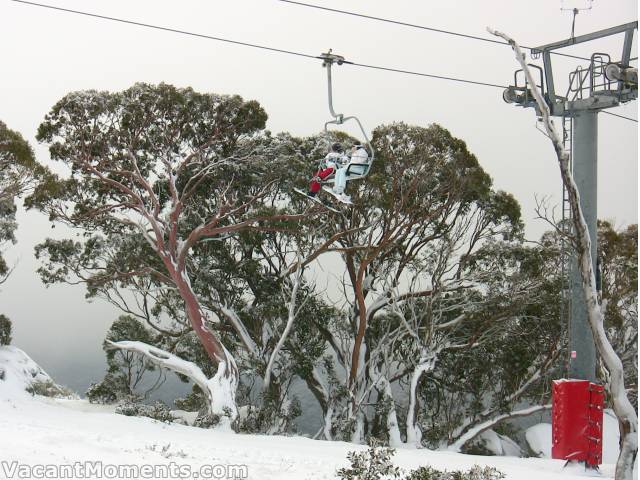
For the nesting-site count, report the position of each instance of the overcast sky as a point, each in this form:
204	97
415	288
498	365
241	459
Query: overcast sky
46	54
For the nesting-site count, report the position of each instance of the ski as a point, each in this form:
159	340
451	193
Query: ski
316	200
337	197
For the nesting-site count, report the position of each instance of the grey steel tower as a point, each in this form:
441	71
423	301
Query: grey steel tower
605	83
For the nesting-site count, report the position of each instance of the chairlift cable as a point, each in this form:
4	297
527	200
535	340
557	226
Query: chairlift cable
409	72
267	48
421	27
620	116
166	29
395	22
244	44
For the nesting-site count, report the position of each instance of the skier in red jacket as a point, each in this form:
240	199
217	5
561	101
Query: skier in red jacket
334	160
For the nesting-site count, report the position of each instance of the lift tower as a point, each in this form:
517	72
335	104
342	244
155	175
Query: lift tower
603	84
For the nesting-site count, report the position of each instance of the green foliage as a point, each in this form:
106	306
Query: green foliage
376	464
379	429
474	473
15	152
207	420
373	464
111	389
18	173
5	330
49	389
210	420
129	328
515	318
151	123
271	416
618	254
8	226
101	393
158	411
195	401
125	370
618	250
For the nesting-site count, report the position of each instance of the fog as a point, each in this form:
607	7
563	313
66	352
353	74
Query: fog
47	54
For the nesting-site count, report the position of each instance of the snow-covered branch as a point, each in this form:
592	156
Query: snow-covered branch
166	360
478	429
290	319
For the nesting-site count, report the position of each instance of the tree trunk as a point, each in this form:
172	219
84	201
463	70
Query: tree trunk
414	434
328	422
392	419
223	385
219	390
358	432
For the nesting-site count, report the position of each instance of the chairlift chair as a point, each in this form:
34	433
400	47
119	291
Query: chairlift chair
328	59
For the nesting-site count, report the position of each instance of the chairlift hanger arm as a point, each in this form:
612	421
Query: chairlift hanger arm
328	59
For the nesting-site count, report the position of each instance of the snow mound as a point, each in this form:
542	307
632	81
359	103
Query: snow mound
539	438
498	444
18	371
188	418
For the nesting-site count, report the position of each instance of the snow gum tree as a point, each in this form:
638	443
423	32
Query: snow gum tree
618	253
19	172
505	370
155	169
426	203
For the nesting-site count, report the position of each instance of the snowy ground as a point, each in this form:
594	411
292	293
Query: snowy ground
42	431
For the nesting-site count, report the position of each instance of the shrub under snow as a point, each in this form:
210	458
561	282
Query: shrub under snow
158	411
376	464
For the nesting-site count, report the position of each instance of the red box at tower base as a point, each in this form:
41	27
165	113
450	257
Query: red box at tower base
577	421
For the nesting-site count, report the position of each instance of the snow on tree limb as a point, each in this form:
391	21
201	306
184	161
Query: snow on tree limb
478	429
534	374
165	359
290	319
220	389
239	327
625	412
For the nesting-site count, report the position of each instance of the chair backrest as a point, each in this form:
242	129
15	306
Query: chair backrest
339	120
360	170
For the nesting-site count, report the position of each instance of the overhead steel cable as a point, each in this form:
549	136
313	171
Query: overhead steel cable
620	116
266	48
395	22
413	25
246	44
408	72
166	29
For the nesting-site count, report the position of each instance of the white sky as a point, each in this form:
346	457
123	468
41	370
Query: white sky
46	54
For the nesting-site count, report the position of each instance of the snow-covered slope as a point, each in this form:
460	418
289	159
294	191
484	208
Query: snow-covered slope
60	432
18	371
67	431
